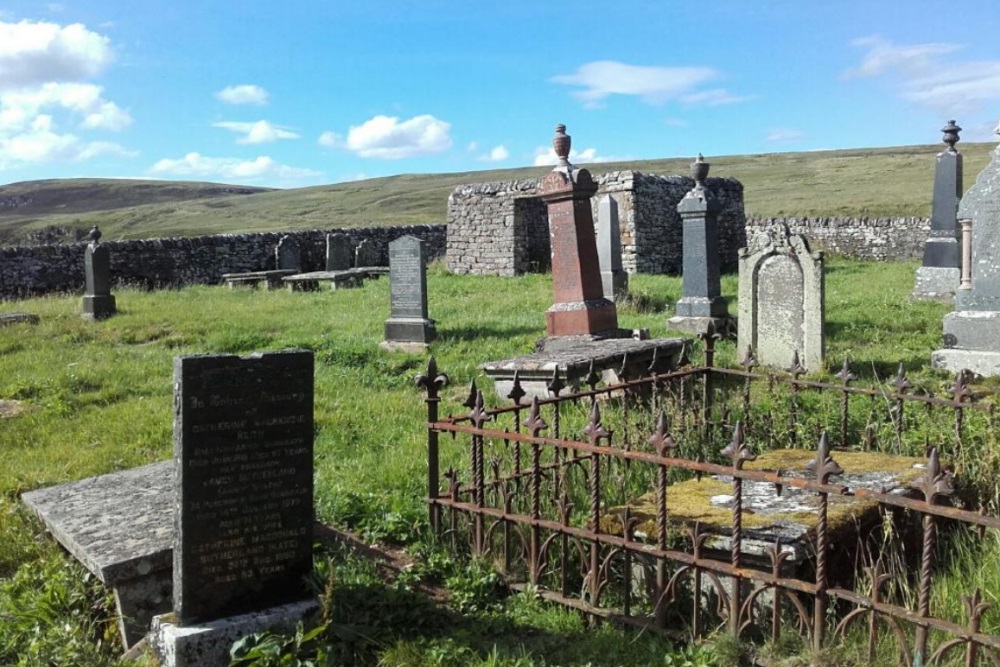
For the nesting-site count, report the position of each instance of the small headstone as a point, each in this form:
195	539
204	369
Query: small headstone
98	302
338	252
288	255
781	300
408	323
609	250
939	276
243	450
366	254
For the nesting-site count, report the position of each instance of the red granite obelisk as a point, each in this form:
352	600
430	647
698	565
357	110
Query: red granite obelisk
579	307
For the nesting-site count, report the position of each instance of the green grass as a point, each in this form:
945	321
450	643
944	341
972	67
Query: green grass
895	181
99	398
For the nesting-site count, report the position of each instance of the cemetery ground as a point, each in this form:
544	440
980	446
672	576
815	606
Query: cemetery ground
89	398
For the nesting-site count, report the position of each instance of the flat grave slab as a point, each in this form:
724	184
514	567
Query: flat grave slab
271	278
341	279
8	319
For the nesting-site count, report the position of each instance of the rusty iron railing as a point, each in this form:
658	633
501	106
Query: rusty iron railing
537	501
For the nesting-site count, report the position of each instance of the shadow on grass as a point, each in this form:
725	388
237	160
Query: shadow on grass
478	333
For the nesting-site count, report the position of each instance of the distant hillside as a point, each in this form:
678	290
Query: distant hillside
878	181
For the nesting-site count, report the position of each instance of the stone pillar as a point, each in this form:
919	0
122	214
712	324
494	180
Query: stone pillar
579	306
938	277
609	250
98	302
702	301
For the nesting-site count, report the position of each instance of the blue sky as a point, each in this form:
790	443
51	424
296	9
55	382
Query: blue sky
299	93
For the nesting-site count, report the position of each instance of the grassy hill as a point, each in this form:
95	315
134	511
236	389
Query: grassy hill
877	181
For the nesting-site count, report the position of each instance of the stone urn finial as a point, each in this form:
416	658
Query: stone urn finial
95	234
561	143
951	135
699	171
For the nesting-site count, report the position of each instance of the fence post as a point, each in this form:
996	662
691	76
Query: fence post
432	382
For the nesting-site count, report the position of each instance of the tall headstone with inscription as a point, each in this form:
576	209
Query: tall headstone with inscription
781	300
287	254
408	324
98	302
939	276
338	252
609	250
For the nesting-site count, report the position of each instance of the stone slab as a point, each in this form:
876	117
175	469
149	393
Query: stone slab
936	283
271	278
409	330
982	362
972	330
341	279
724	326
9	319
208	644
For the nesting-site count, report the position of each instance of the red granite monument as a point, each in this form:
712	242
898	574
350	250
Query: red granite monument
579	307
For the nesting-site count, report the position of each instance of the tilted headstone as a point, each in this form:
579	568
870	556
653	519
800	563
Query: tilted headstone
243	451
287	254
366	254
408	322
939	276
781	300
338	252
98	302
609	250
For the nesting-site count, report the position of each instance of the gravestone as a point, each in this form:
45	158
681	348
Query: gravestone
338	252
938	277
609	250
366	254
288	255
702	303
781	300
408	324
98	302
972	330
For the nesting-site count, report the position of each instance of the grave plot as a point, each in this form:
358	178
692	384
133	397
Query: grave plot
706	498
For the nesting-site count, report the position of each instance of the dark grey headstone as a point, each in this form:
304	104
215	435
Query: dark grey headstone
338	252
243	447
366	254
408	321
98	302
287	254
609	249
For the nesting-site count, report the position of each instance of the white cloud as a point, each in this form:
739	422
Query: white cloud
714	97
386	138
33	53
243	94
234	170
258	132
39	144
497	154
781	135
654	85
546	157
472	147
329	140
883	56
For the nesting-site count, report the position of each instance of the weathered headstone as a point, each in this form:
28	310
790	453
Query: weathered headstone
408	323
287	254
338	252
366	254
702	302
609	250
781	300
98	302
243	450
938	277
972	330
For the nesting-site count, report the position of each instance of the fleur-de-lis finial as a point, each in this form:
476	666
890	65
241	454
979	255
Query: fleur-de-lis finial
516	392
470	399
901	383
535	423
431	381
796	368
595	430
479	415
823	466
736	451
935	482
661	440
749	361
556	384
845	374
960	391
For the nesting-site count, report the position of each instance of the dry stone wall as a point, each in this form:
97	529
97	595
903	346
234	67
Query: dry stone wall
894	239
172	262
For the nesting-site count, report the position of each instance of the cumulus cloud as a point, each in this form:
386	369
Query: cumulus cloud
40	143
261	169
329	140
546	157
243	94
713	97
258	132
388	138
33	53
783	135
497	154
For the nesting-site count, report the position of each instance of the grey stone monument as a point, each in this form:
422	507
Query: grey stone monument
938	277
408	324
781	300
609	250
287	254
338	252
366	254
98	302
702	301
972	330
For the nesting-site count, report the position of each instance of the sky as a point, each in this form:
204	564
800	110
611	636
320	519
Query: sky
298	93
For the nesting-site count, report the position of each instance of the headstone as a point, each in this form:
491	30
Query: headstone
338	252
938	277
243	450
972	331
702	302
609	250
366	254
408	323
287	254
579	306
781	300
98	302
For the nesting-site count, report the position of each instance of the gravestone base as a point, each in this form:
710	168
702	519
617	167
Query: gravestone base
936	283
980	362
972	340
98	306
207	644
725	326
570	318
409	330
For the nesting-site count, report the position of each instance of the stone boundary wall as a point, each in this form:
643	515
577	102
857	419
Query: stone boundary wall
892	239
173	262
